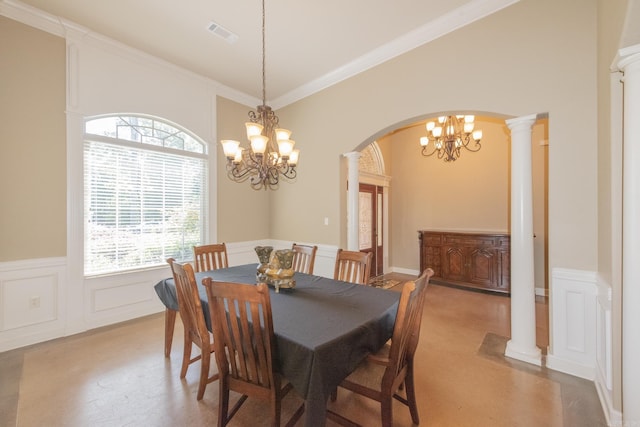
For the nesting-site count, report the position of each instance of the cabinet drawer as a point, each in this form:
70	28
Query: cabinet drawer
432	239
469	240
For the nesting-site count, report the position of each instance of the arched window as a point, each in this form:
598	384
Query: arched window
145	193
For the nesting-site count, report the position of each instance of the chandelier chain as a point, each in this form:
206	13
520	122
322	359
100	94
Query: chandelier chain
264	61
270	155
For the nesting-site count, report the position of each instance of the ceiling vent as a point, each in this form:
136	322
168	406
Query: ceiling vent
222	32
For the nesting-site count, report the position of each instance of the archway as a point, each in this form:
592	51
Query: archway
401	134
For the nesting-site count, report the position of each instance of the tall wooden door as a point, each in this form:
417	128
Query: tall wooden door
370	225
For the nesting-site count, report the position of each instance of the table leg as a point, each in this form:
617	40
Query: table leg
169	324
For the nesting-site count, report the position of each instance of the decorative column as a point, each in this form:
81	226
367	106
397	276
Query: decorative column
630	66
522	345
353	208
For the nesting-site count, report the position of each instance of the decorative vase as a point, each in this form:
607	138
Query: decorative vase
280	272
264	255
285	259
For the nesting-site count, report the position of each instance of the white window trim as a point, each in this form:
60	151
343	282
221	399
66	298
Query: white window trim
149	147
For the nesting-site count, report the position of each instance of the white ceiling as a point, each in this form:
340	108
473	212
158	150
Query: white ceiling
309	45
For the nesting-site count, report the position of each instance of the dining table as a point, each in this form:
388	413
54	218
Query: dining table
323	328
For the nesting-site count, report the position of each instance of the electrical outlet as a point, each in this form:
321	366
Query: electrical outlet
34	302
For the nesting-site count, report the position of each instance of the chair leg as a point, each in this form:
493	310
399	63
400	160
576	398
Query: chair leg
204	373
223	403
169	324
411	397
186	355
275	410
275	398
386	405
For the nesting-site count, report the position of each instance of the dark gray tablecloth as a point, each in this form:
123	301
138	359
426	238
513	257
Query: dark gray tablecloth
323	328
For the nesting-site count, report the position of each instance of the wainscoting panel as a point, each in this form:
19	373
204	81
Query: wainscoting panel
29	300
325	261
244	253
573	323
39	303
32	301
118	297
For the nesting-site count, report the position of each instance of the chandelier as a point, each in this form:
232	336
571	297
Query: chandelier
270	155
449	135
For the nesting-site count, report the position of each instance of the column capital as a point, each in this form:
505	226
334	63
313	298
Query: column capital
352	155
522	121
628	56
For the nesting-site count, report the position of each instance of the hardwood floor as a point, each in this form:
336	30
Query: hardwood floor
118	375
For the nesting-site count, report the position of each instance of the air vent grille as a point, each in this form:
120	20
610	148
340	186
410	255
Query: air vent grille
222	32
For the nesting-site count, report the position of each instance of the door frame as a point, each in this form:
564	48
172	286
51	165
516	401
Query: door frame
381	181
377	229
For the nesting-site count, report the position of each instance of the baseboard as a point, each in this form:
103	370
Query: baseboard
404	271
613	417
570	367
542	292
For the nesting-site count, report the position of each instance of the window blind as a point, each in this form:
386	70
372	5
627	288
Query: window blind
142	205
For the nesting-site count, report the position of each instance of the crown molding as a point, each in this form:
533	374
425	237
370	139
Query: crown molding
445	24
31	16
73	32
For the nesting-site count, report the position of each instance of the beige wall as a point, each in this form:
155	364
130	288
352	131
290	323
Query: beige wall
509	64
517	75
32	143
243	213
298	210
526	72
33	157
611	16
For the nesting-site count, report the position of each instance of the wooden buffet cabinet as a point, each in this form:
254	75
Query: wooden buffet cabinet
473	260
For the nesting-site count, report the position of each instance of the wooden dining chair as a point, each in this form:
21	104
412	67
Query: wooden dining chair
353	266
205	258
245	347
381	376
195	328
210	257
304	256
